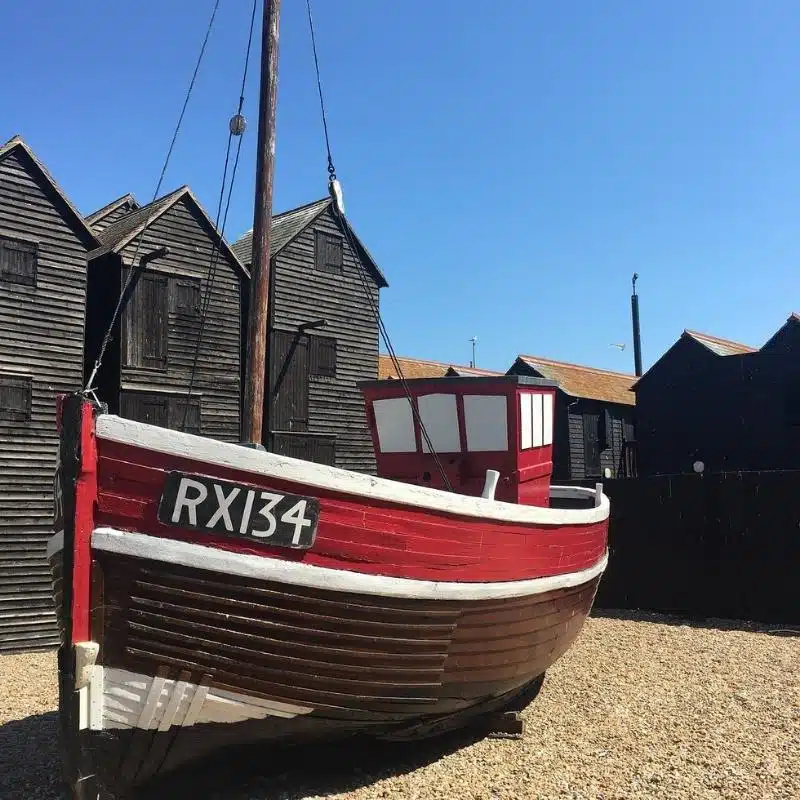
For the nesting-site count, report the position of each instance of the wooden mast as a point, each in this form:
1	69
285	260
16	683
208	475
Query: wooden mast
256	364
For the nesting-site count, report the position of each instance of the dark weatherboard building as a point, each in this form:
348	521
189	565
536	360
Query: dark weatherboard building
154	370
43	247
323	337
728	405
594	417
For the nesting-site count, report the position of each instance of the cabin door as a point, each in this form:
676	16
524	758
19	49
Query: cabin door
591	444
289	381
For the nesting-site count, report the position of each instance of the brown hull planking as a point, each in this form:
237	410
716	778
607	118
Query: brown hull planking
370	665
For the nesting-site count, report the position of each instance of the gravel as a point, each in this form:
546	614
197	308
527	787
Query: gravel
641	707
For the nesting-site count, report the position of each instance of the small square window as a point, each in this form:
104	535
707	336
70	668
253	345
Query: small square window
186	296
328	252
18	260
15	398
323	356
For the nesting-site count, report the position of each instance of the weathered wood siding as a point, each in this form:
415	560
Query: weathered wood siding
303	293
217	378
41	336
616	419
112	217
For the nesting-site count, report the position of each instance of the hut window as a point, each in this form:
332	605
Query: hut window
15	398
164	410
186	296
147	323
486	420
18	259
323	356
328	253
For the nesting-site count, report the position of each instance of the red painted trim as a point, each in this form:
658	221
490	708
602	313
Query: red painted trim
85	499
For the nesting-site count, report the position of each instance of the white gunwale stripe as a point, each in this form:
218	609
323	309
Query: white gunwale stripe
321	476
246	565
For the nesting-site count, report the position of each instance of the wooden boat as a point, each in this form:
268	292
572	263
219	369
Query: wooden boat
212	595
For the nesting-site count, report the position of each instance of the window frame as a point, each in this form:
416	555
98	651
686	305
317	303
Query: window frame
316	367
21	381
321	241
14	278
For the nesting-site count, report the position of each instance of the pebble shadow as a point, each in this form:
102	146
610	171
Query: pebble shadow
293	773
30	765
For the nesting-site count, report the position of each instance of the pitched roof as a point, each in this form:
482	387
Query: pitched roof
119	235
585	382
289	224
422	368
101	213
722	347
17	142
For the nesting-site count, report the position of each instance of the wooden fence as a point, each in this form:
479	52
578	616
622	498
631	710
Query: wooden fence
723	545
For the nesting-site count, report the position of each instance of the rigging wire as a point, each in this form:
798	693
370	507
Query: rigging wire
362	273
215	250
152	209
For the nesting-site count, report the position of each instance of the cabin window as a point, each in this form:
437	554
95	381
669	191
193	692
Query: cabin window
164	410
439	415
486	419
15	398
147	323
395	423
328	252
185	294
323	356
18	260
536	420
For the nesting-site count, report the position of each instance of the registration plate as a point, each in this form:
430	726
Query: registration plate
236	509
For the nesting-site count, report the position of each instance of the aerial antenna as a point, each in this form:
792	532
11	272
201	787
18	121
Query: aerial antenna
474	341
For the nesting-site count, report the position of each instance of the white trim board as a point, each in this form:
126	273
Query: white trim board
295	470
246	565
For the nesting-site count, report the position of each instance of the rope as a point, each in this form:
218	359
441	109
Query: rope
215	250
139	237
331	170
362	273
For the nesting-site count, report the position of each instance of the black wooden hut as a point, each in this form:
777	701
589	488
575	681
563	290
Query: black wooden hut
43	247
323	337
594	417
158	368
721	404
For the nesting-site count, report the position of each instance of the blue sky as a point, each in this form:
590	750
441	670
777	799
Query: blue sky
508	164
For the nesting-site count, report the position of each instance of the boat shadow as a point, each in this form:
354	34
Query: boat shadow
30	764
303	771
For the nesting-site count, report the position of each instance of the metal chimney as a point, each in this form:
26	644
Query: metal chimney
637	334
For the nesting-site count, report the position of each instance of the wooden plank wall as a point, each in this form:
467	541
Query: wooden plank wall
41	335
723	545
303	293
218	365
610	456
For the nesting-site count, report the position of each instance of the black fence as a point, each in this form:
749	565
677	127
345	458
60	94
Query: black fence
724	545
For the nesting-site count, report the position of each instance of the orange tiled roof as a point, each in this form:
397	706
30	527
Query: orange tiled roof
722	347
587	382
422	368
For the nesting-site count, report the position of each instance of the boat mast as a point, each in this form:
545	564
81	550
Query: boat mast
256	364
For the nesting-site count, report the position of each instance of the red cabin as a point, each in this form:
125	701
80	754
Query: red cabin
475	425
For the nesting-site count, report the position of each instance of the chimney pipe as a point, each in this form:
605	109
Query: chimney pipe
637	334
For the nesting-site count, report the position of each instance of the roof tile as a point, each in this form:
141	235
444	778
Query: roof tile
585	382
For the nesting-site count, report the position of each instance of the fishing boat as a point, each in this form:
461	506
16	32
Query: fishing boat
211	595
